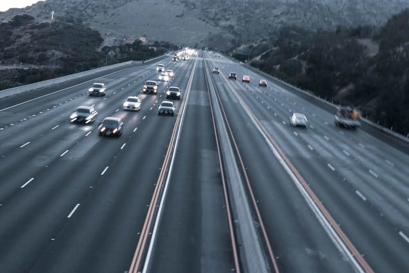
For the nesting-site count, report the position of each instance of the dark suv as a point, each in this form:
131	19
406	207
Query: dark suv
233	75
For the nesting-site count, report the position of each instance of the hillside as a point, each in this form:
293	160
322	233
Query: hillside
31	51
363	66
218	24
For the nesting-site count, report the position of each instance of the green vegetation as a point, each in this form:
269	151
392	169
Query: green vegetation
59	48
364	66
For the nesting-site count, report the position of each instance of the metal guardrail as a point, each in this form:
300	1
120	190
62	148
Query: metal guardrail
364	120
47	83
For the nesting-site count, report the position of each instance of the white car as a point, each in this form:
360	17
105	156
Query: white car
166	108
132	103
84	114
163	77
298	119
170	73
160	68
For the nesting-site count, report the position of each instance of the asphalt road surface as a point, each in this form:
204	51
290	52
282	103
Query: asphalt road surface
71	201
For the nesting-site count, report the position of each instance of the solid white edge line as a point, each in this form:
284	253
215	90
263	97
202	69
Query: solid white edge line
360	195
25	144
64	153
106	168
73	210
404	236
28	182
161	206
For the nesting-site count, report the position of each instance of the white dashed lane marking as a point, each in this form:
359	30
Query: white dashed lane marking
123	145
28	182
55	127
88	133
106	168
64	153
73	210
345	152
326	138
361	145
373	173
330	166
310	147
404	236
360	195
389	163
24	145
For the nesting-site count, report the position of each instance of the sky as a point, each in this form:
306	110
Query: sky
7	4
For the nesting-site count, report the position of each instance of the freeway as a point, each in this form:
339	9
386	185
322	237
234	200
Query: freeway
358	178
154	199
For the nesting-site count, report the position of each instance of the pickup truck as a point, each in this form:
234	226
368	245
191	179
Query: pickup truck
347	117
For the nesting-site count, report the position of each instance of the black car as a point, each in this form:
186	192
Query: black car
233	75
84	114
111	126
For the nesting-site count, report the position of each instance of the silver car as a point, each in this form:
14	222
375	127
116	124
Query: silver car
298	119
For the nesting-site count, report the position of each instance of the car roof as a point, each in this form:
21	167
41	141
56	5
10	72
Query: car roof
98	83
246	76
263	80
169	70
173	87
167	101
85	107
113	119
151	81
299	115
161	65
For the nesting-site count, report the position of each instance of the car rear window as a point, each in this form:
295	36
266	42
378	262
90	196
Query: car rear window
174	89
83	110
133	99
97	85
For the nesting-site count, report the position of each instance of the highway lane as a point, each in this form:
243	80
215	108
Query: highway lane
41	218
299	242
193	234
373	204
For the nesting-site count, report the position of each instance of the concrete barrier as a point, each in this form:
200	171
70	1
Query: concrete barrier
47	83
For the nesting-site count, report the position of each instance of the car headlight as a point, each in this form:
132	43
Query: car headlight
101	90
155	87
115	130
178	94
74	115
168	93
126	103
88	118
90	90
103	129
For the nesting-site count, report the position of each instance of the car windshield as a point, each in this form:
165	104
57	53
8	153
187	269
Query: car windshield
133	99
174	89
150	83
167	104
97	86
83	110
110	123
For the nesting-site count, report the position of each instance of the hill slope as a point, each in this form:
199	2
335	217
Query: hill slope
220	24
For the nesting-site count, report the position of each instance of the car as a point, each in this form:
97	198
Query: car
160	68
298	119
84	114
150	87
170	73
132	103
97	89
173	92
233	75
111	126
245	78
175	59
216	70
262	83
166	108
163	77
